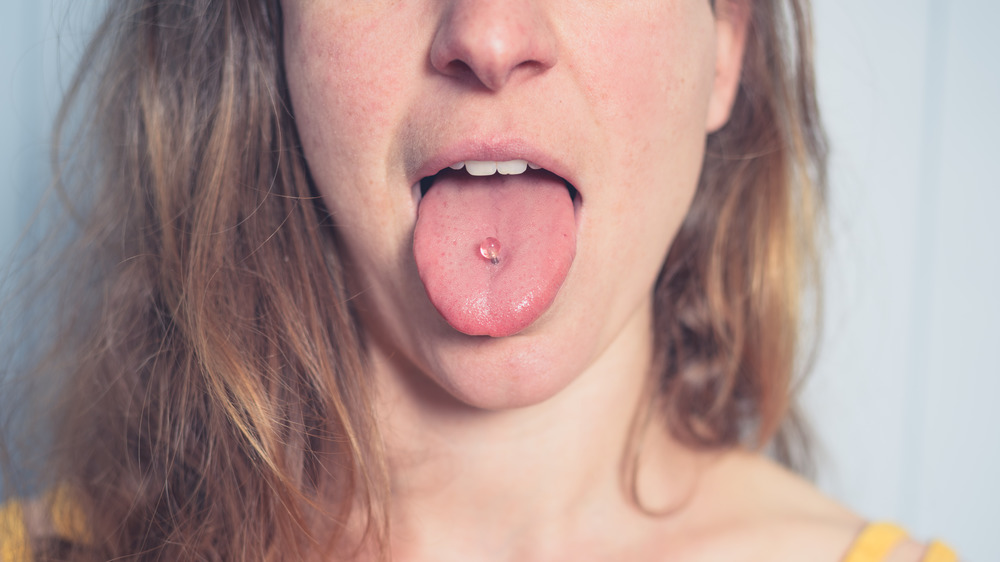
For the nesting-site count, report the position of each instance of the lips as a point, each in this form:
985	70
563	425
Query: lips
500	149
514	204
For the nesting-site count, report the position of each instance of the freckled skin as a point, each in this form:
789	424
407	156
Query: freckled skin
621	93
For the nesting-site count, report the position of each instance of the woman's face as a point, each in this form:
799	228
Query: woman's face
613	96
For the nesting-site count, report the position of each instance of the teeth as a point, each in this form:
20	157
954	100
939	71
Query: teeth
478	168
512	167
487	168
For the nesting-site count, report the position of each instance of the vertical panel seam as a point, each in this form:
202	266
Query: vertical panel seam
911	503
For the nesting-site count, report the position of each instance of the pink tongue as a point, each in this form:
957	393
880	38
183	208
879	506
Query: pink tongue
531	215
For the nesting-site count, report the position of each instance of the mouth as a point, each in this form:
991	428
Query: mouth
487	168
493	241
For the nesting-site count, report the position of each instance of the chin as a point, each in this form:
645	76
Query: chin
505	373
441	365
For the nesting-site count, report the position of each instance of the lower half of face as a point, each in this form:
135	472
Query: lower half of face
502	289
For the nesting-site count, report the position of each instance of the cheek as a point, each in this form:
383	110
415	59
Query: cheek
346	84
338	76
649	72
652	99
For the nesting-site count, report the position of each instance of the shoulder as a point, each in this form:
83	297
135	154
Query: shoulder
777	515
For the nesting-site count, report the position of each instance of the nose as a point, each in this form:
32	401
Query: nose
492	41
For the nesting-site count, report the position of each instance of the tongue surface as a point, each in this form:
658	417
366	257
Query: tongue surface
531	215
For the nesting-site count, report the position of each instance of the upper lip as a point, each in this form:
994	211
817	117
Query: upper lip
498	150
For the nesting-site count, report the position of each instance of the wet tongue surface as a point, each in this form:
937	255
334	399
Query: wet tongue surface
531	215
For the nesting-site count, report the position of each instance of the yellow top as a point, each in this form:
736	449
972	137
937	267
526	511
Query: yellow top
873	544
877	540
65	519
13	536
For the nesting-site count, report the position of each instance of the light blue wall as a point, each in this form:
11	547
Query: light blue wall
905	394
40	42
905	397
27	97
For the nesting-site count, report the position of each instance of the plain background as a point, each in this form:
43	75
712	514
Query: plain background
904	398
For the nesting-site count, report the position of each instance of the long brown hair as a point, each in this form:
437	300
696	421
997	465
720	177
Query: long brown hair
729	300
211	400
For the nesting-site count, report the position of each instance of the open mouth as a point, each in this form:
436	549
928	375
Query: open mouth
493	243
482	168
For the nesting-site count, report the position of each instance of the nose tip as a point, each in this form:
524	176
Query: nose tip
491	41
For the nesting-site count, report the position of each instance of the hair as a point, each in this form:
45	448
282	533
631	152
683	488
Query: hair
209	393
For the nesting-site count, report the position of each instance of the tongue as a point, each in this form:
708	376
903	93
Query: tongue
530	215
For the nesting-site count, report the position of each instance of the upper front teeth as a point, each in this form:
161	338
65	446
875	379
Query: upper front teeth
487	168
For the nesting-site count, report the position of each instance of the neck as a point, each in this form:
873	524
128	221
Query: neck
531	475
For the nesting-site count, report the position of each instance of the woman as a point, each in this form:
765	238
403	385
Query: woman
450	279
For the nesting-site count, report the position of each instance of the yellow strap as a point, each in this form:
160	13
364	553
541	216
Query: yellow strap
939	552
875	542
13	534
65	516
68	520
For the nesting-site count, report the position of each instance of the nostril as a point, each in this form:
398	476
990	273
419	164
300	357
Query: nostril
457	68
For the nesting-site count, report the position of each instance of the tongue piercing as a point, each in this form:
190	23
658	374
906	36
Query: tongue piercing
490	249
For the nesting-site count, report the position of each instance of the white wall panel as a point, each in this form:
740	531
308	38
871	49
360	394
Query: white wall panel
870	92
960	456
905	393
